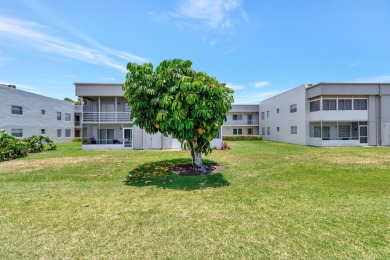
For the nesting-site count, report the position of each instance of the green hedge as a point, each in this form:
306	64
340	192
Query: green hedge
13	148
77	139
241	137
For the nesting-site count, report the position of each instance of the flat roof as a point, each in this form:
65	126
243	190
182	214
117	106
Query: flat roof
97	84
347	83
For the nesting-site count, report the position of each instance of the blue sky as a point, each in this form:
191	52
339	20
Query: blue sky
259	48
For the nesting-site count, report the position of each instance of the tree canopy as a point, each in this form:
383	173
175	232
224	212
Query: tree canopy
175	99
78	102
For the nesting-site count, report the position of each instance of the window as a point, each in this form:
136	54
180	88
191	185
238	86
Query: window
43	131
17	132
67	117
293	108
262	115
263	130
43	112
344	130
237	131
58	115
59	132
67	132
237	117
345	104
294	130
360	104
277	110
329	104
315	105
16	110
268	131
250	131
317	131
277	129
267	114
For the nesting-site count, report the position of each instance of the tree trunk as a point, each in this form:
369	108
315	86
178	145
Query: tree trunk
197	161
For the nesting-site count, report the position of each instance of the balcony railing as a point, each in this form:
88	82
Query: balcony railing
107	141
77	123
242	122
90	117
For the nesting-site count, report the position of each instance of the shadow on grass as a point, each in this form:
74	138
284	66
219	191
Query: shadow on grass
159	174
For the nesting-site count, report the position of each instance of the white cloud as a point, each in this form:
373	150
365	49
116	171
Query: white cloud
355	64
32	35
383	78
213	14
234	86
262	84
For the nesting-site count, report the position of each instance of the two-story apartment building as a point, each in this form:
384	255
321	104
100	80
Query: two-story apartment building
106	123
242	120
329	114
23	114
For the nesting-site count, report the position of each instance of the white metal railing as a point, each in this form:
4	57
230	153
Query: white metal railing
106	117
242	122
336	138
107	141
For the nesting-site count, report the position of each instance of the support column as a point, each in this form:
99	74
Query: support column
99	109
116	109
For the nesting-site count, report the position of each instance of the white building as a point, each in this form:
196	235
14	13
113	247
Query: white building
242	119
23	114
329	114
325	114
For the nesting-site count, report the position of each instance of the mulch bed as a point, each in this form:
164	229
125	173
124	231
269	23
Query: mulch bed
188	170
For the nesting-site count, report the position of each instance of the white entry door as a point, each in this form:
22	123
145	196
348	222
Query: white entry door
128	138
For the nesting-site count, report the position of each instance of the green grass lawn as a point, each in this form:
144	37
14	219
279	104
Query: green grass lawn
272	201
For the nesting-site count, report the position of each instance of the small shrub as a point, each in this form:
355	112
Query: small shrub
77	139
38	143
241	137
225	146
11	147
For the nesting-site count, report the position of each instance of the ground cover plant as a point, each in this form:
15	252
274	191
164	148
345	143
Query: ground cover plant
272	201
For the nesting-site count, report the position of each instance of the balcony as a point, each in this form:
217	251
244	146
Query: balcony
106	117
77	123
241	123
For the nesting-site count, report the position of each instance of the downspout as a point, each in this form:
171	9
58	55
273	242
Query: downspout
379	117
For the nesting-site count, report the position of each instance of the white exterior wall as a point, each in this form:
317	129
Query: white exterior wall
284	119
385	116
32	121
228	130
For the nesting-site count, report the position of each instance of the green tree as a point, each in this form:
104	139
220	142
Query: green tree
175	99
78	102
